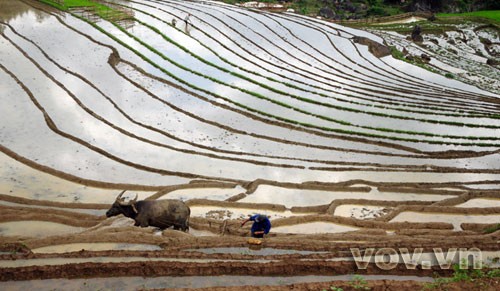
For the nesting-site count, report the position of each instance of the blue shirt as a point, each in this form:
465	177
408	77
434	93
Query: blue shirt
262	225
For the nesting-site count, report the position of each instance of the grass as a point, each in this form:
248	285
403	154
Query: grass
99	9
397	54
449	76
68	4
306	7
492	229
461	275
359	283
489	14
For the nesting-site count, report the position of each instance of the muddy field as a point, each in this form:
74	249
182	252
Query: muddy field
235	112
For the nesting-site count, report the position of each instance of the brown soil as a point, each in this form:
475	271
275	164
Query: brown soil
382	285
230	234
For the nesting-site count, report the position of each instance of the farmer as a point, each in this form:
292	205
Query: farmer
261	225
186	20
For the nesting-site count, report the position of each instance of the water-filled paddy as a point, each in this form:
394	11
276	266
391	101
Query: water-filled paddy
314	228
133	283
36	228
361	211
480	202
76	247
222	213
204	193
20	180
63	261
96	212
253	252
455	219
304	197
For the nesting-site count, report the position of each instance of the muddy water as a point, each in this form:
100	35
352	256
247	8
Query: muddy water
455	219
204	193
481	203
36	228
361	211
135	283
304	197
20	180
197	232
96	212
248	251
222	213
63	261
314	227
76	247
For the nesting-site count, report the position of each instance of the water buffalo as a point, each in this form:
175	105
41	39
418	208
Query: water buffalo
158	213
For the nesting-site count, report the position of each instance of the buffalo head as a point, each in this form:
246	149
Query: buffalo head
122	207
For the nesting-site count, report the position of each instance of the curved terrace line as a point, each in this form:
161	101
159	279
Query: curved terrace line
321	117
249	40
228	7
182	150
160	131
123	131
50	123
245	12
78	100
255	117
440	94
279	103
308	19
322	94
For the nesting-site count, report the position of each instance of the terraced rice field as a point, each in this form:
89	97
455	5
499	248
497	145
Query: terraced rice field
239	111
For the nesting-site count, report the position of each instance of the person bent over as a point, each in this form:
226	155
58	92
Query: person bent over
261	225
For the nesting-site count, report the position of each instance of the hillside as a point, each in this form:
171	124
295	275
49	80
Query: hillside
359	9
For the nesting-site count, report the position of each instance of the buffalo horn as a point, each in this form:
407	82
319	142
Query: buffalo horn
119	198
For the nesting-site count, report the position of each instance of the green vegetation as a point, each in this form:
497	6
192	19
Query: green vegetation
492	229
359	283
99	9
360	9
68	4
397	54
306	7
353	9
462	275
489	14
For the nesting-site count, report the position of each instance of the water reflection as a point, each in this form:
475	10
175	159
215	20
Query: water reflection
12	9
141	283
